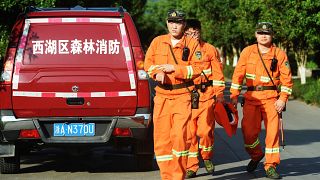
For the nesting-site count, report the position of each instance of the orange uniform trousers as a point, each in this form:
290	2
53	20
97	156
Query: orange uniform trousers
171	116
202	126
253	114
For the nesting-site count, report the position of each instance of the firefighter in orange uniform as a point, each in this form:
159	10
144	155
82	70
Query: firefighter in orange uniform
173	61
263	101
210	86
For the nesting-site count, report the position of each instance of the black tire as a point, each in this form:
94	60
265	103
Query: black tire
145	162
10	165
144	154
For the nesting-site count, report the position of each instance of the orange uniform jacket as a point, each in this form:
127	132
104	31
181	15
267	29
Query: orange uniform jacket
214	73
159	53
250	67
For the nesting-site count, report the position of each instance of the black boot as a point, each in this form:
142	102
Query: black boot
253	164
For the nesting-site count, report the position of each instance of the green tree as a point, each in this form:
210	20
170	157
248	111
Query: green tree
303	19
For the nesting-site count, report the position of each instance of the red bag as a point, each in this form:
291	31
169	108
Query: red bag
226	115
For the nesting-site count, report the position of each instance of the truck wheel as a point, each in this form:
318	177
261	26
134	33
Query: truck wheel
10	165
144	155
145	162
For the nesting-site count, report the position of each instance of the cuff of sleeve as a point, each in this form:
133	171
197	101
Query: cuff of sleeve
220	95
153	75
234	96
284	97
178	72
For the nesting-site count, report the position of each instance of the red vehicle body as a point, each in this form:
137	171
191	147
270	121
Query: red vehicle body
74	77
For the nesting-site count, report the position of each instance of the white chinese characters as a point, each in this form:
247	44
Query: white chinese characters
76	46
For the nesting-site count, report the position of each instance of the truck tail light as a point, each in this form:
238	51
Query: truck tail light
6	73
139	60
124	132
29	134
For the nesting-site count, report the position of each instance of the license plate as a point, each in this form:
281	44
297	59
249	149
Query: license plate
73	129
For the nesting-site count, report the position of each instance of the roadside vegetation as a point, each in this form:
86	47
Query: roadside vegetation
308	92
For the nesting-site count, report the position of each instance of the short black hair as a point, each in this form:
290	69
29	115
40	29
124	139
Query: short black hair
193	23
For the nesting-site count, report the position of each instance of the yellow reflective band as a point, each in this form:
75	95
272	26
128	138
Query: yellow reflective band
218	83
180	153
207	72
190	72
152	67
236	86
193	154
250	76
272	150
164	158
264	79
251	146
286	89
206	148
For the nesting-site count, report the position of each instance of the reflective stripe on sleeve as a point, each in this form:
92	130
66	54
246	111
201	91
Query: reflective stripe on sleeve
253	145
272	150
207	72
264	79
218	83
286	89
189	72
250	76
236	86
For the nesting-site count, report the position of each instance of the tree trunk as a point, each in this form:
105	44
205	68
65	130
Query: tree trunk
301	56
302	71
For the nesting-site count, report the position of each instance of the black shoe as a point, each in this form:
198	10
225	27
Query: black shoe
190	174
253	164
209	166
271	173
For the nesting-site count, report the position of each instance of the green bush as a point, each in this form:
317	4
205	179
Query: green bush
228	71
311	65
308	92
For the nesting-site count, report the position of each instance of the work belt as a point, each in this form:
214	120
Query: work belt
175	86
261	88
203	85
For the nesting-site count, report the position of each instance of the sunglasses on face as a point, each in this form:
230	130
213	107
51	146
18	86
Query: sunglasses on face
263	33
175	21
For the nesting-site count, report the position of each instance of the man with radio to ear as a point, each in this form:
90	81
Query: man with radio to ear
265	67
210	86
171	61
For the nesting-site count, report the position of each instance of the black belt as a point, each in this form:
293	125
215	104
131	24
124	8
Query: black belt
175	86
203	85
261	88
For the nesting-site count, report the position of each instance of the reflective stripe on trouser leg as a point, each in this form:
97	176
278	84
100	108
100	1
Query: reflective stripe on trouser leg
271	122
180	116
251	127
162	143
205	130
193	161
170	134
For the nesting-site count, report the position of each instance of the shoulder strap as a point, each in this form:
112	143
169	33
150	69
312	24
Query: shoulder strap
174	57
264	65
175	60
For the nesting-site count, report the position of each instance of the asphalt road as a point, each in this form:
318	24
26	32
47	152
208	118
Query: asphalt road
300	158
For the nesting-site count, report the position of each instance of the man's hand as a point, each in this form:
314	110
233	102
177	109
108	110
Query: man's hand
279	105
167	68
220	99
160	77
234	102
